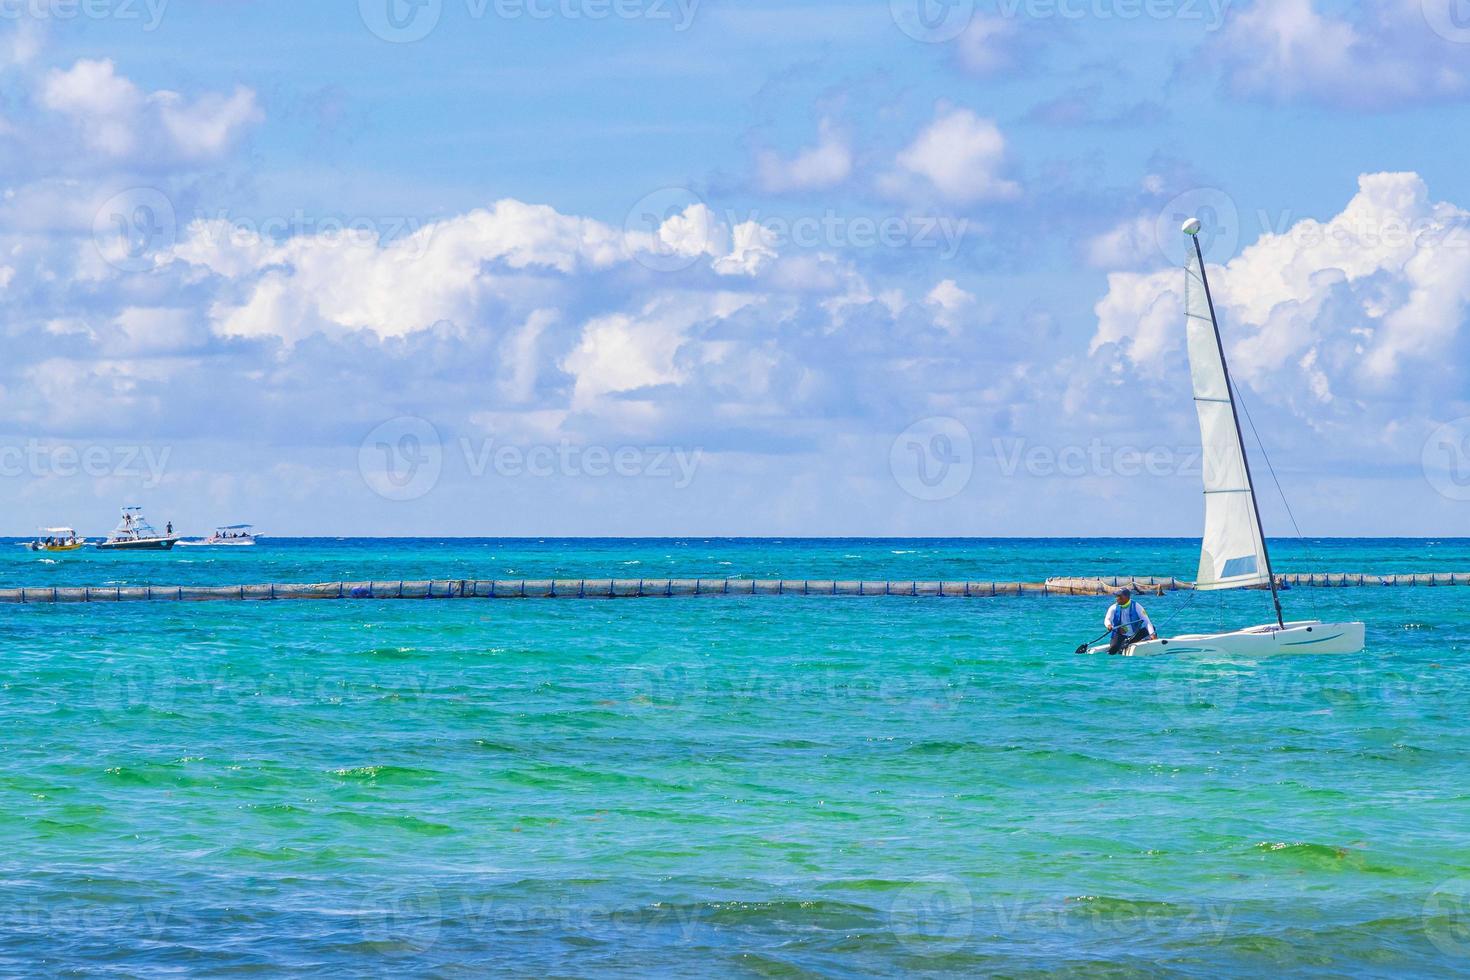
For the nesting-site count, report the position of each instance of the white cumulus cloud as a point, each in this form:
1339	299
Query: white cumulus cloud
960	155
1387	55
116	118
1369	305
819	167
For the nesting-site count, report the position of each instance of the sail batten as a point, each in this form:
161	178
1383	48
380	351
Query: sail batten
1233	551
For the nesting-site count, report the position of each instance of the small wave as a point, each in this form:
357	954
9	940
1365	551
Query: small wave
1300	847
1304	852
392	653
382	774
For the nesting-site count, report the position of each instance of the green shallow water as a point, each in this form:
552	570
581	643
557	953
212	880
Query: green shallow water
767	786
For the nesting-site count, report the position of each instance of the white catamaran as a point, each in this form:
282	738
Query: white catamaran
1233	553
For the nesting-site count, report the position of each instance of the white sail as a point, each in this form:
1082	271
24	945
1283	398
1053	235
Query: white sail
1233	554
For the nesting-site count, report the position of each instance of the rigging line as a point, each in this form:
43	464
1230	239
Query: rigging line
1174	614
1270	468
1267	457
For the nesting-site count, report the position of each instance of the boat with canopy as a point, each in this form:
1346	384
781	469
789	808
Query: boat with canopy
56	539
227	536
1233	552
134	533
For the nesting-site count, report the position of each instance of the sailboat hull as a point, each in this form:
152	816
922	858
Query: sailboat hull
1308	637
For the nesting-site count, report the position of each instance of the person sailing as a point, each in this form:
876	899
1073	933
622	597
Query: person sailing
1128	623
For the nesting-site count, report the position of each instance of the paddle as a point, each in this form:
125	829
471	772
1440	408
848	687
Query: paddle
1083	647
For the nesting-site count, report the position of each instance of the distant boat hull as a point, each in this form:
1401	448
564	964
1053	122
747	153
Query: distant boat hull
208	543
33	546
140	544
1307	637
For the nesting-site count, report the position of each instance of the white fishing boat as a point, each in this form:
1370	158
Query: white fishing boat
1233	553
227	536
56	539
134	533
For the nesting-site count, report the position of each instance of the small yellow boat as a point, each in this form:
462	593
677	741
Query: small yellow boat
57	539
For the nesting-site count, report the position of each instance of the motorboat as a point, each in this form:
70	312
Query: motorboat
227	536
134	533
56	539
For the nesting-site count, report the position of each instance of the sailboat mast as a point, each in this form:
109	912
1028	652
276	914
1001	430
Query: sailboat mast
1240	437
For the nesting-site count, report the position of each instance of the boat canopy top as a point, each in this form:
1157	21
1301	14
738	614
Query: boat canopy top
234	527
134	523
58	530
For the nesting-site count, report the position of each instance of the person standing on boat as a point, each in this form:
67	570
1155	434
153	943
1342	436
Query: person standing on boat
1128	622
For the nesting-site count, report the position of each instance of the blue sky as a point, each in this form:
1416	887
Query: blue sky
674	267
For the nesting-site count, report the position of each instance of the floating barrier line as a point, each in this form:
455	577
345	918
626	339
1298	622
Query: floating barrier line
670	588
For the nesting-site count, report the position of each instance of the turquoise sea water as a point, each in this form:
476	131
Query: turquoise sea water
727	786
